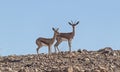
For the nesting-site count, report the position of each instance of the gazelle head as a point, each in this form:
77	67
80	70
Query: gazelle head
55	31
73	24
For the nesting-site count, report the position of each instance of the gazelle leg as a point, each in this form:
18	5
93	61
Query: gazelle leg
58	49
56	45
49	50
38	49
55	48
69	43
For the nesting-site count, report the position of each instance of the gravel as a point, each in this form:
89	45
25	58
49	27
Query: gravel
103	60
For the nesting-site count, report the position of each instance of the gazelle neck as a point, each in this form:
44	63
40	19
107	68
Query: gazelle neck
73	31
53	39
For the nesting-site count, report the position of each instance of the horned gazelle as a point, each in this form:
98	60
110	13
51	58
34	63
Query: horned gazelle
66	36
46	41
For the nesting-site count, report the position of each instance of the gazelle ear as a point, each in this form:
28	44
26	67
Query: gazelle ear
77	23
69	23
53	28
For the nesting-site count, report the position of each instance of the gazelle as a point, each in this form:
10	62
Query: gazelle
46	41
66	36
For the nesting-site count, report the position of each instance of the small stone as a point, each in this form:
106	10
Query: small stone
22	70
79	50
106	50
70	69
77	68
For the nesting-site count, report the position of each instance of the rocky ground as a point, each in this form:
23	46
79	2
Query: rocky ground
103	60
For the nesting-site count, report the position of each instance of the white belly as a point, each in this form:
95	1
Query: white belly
43	44
64	39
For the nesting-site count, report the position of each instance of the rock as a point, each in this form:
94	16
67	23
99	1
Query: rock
70	69
22	70
77	68
79	50
106	50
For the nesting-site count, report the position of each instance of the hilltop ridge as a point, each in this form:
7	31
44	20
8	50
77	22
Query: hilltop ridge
103	60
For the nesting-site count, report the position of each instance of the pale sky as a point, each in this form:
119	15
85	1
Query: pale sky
23	21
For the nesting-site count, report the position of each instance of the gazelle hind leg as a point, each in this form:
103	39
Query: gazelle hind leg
56	45
38	49
58	49
39	46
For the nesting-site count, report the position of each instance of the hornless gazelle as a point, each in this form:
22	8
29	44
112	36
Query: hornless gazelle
66	36
46	41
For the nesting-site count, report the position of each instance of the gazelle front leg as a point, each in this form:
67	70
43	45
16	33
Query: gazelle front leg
49	49
69	43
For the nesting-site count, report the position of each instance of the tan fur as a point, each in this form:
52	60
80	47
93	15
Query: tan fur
66	37
46	41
